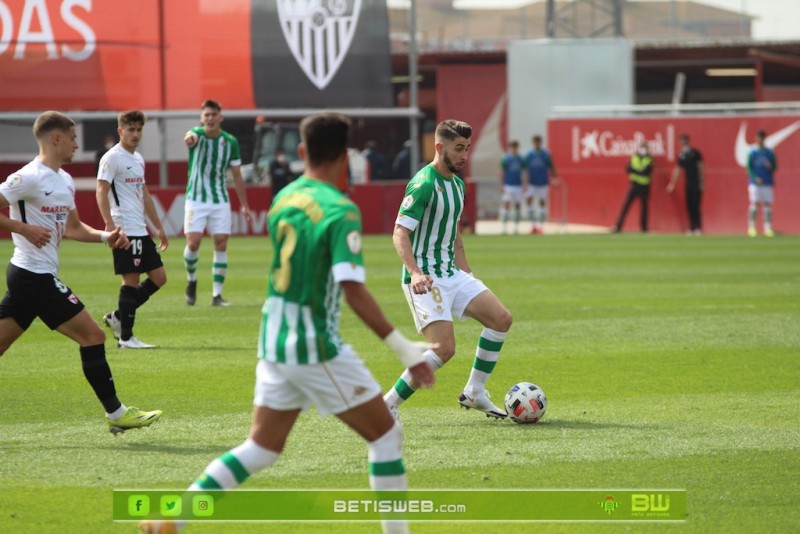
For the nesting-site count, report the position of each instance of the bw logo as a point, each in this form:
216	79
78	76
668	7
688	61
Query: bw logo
319	33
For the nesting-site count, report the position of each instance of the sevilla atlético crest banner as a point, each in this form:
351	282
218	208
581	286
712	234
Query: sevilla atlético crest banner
104	55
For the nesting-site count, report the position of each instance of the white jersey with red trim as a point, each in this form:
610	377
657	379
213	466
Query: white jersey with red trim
125	172
39	196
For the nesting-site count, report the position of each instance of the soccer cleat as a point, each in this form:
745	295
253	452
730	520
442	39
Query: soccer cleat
481	402
751	232
219	301
133	418
113	323
769	233
134	343
191	292
158	527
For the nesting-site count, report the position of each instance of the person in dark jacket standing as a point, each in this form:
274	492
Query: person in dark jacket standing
279	172
640	171
691	161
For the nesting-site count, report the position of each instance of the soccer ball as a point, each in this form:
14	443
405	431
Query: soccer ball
525	403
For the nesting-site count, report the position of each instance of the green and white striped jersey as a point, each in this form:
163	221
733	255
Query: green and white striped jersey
432	209
316	238
209	160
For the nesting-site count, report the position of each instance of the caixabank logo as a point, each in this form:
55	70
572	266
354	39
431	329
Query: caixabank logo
608	143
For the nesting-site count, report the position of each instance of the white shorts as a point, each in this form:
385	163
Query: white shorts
448	298
334	386
759	193
537	191
512	193
197	216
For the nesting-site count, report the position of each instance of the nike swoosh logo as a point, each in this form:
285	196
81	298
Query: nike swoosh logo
129	168
742	147
48	193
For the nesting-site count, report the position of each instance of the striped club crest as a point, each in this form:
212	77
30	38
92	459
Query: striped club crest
319	33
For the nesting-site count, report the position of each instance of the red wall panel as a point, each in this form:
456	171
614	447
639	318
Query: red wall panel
591	155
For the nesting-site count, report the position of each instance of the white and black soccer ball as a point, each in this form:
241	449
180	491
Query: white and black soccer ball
525	403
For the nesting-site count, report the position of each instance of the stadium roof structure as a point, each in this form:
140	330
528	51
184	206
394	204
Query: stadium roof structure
444	28
710	47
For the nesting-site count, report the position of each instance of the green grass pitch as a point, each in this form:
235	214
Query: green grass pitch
668	362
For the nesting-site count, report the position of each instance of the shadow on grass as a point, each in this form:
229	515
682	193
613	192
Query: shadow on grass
543	426
184	348
119	444
578	424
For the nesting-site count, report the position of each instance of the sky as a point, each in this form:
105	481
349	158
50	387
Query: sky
776	19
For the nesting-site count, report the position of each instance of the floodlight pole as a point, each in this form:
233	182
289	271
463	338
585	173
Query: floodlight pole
413	93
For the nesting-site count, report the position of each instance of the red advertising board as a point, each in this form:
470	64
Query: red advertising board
591	155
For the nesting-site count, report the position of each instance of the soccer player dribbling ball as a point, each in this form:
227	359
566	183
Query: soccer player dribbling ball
437	280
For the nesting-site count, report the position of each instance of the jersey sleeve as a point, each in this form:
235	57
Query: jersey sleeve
17	187
236	153
107	168
418	194
347	260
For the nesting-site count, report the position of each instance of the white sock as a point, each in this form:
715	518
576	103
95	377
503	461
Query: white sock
116	414
387	471
405	386
486	356
219	270
190	263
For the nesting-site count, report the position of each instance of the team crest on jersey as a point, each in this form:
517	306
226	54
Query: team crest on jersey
14	180
354	242
319	34
407	202
72	298
137	262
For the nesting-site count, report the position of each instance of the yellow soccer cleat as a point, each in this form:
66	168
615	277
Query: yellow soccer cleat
133	418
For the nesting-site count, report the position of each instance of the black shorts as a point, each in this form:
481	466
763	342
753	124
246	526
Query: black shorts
142	257
32	295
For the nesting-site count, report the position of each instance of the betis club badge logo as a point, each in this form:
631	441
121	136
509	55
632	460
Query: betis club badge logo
319	33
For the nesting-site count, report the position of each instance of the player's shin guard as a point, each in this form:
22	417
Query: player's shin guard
486	356
767	214
190	263
387	471
751	215
98	374
145	291
127	310
405	386
235	466
219	270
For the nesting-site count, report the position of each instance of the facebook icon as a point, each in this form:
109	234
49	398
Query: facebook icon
138	505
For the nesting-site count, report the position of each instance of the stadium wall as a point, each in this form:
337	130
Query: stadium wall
590	155
378	202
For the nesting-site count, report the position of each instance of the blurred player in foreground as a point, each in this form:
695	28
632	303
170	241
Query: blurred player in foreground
316	237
